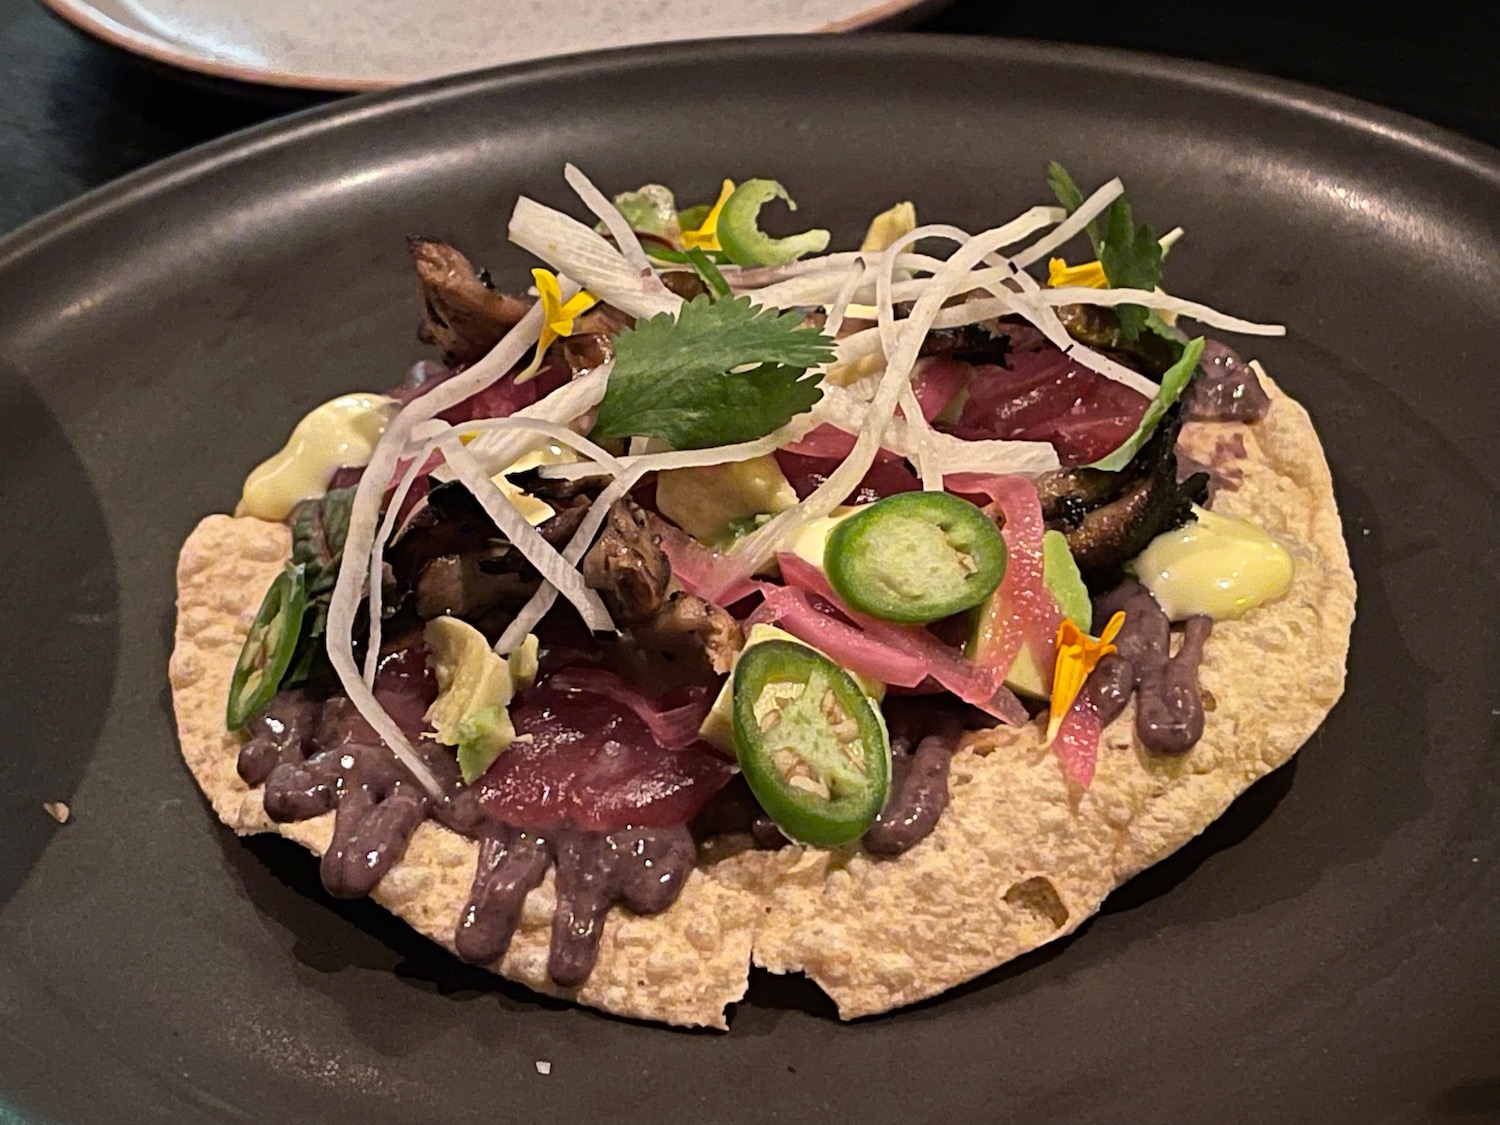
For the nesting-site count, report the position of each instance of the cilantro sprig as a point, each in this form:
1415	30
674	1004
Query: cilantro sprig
717	373
1130	256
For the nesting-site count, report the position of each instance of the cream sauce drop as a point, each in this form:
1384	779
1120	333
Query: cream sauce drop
1218	566
338	434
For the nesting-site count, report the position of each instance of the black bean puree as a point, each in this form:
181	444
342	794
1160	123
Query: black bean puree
303	751
923	739
1227	390
309	754
1169	705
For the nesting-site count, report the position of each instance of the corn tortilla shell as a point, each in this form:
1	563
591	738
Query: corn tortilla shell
1018	859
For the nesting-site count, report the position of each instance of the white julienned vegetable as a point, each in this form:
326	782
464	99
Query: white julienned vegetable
624	277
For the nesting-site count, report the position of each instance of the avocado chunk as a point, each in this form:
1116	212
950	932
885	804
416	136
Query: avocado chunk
482	736
1061	576
475	686
705	501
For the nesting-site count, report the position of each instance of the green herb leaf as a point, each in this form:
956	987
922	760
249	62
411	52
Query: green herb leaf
682	257
1130	255
319	528
1131	258
1173	383
1159	327
717	373
1071	198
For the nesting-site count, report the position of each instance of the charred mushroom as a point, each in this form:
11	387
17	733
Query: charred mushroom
1109	518
464	316
687	624
627	565
1099	328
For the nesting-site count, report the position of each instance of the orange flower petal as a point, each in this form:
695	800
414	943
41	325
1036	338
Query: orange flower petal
1077	655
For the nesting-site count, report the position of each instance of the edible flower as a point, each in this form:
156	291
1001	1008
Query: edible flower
1077	654
706	237
1088	275
558	314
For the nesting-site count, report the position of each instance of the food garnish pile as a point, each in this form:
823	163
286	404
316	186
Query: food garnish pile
721	600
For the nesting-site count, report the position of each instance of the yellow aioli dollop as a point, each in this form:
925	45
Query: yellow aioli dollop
1218	565
338	433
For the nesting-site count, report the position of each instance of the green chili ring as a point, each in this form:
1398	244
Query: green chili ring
269	647
811	745
740	234
915	557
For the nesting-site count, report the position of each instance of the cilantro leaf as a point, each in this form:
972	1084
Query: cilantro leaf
1071	198
1130	255
1131	258
717	373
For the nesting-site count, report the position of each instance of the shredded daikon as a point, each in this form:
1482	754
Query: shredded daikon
496	448
842	299
525	538
685	458
625	238
365	518
387	526
1162	301
1089	210
583	254
542	431
877	407
918	440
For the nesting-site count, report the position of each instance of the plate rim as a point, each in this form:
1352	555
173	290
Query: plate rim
84	16
185	177
1434	142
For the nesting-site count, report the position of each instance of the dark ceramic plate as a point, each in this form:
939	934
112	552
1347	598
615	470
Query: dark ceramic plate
1324	952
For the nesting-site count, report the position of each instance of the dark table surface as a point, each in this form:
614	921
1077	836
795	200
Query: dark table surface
76	114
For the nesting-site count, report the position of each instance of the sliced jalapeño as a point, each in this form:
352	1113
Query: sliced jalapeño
915	557
811	745
269	647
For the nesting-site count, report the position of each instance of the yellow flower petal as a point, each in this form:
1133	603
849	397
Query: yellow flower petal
557	316
1111	631
1089	275
706	237
575	305
1077	655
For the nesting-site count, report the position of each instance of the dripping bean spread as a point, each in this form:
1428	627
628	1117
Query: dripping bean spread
314	757
1169	705
1227	390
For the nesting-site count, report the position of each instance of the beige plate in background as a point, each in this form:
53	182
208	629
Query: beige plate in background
372	44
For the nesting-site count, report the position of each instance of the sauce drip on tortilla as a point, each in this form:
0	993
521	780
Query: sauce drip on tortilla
1227	388
1169	704
314	757
919	794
